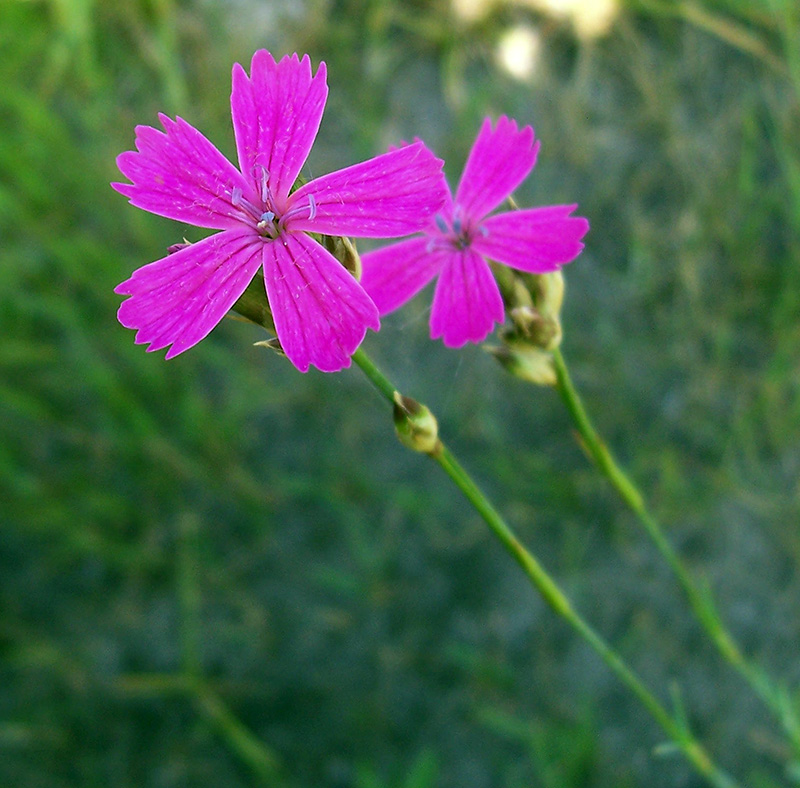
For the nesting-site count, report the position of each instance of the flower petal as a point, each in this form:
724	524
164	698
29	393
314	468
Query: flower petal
395	274
499	161
276	115
321	313
467	301
178	300
390	195
181	175
535	240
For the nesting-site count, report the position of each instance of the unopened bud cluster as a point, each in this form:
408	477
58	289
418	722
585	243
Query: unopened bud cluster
534	304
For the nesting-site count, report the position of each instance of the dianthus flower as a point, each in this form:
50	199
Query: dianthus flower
458	242
321	313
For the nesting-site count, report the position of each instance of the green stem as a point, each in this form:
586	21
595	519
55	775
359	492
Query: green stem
376	377
700	600
554	597
240	739
252	752
736	34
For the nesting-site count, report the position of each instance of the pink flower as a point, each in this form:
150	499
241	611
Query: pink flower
321	313
458	243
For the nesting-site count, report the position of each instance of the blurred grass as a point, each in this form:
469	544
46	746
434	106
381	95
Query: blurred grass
222	519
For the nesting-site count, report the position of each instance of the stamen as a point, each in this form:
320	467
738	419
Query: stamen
298	210
238	200
441	224
264	185
266	225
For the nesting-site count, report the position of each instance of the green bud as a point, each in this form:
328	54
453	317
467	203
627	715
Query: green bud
533	303
344	250
533	329
513	288
415	425
527	363
548	293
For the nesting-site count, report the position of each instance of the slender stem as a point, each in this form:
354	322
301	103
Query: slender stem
733	33
241	740
250	749
700	600
376	377
191	681
555	598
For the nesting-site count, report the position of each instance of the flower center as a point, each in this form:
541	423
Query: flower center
457	234
266	225
268	222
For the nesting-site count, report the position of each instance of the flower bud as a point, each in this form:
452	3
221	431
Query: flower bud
527	363
344	250
513	288
533	303
415	425
548	292
532	328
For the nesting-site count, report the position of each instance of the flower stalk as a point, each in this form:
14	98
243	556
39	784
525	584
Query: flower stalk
700	599
551	593
407	413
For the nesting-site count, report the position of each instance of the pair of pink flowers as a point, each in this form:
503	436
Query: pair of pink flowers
321	313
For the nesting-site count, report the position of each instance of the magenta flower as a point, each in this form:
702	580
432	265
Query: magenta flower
320	311
457	244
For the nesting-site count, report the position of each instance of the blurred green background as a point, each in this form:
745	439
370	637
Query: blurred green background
216	571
